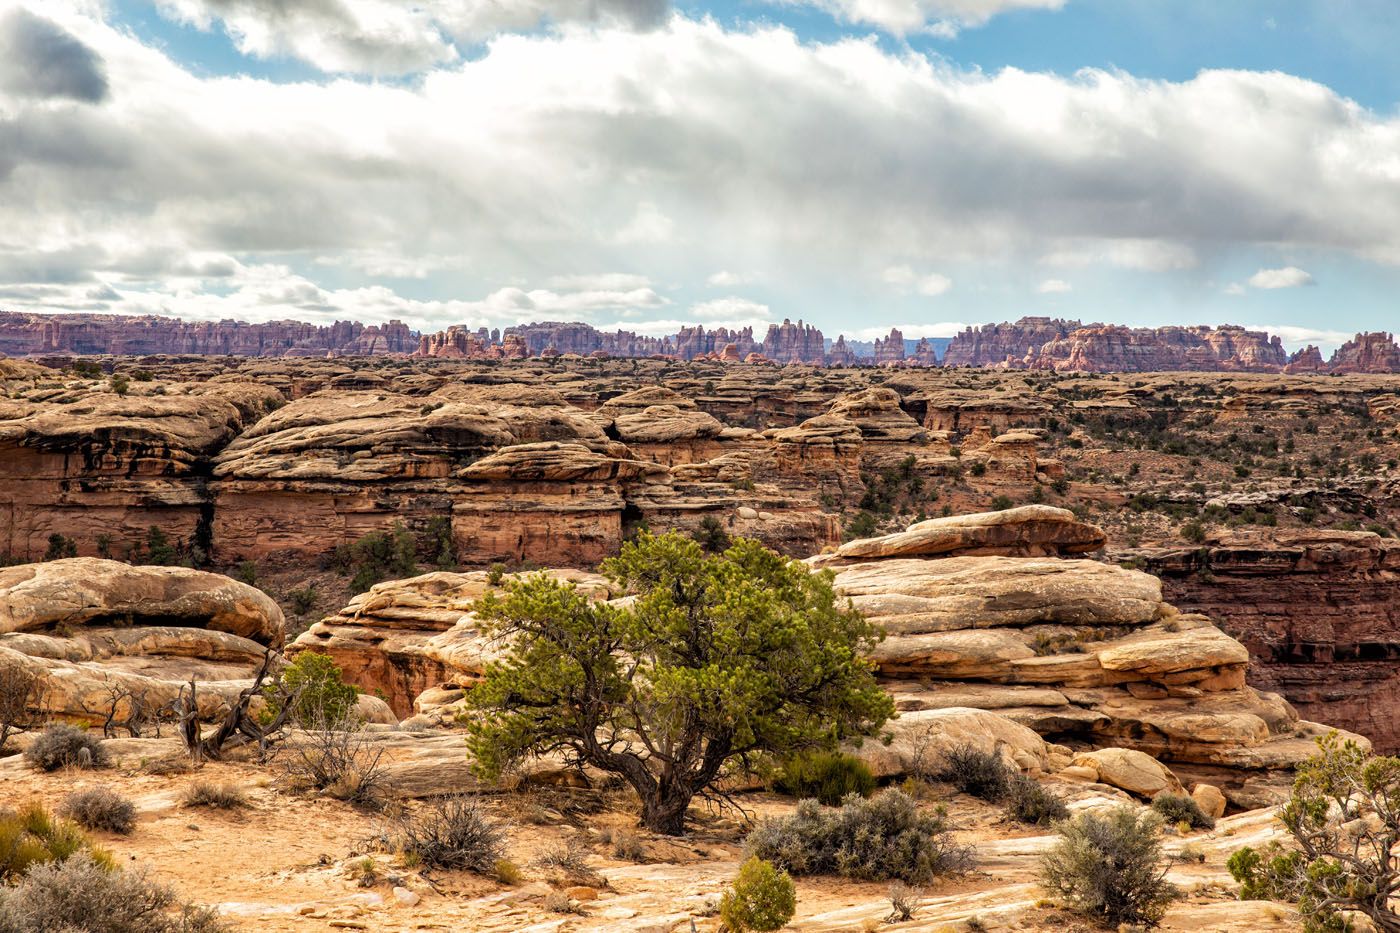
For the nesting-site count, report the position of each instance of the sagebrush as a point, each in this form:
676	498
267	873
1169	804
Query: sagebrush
1110	866
63	746
881	839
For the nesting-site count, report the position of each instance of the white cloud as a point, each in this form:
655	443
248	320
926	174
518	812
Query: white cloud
1054	287
1235	289
671	151
390	36
943	18
727	279
905	279
603	281
910	331
731	309
1132	253
1287	277
648	225
1297	337
663	328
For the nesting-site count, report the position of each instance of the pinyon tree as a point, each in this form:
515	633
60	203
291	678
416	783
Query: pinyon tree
713	661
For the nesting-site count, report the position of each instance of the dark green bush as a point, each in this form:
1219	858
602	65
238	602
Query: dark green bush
826	776
1179	808
61	746
982	774
880	839
1028	802
378	556
323	698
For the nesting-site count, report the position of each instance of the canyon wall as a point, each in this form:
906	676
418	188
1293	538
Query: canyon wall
1319	612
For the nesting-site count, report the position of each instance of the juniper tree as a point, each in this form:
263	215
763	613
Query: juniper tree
715	660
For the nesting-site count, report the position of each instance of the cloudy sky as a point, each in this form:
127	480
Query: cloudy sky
648	163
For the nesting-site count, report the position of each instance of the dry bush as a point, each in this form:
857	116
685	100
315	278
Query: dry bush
904	900
61	745
1110	866
1179	808
1028	802
337	758
34	836
453	833
81	894
628	846
557	902
569	863
21	699
215	796
973	771
100	809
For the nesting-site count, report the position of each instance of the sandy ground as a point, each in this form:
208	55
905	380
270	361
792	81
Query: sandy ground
291	862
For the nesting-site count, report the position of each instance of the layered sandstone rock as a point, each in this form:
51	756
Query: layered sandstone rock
102	633
1084	653
102	469
406	637
1027	531
1318	610
117	334
1367	353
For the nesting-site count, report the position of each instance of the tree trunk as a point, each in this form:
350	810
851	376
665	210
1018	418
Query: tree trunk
663	811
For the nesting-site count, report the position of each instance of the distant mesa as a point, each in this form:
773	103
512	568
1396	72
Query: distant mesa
1031	343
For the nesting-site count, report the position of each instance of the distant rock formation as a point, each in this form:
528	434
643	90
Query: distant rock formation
1031	343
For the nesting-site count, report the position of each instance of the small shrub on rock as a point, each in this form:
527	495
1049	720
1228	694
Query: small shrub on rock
1028	802
884	838
454	833
973	771
763	898
829	777
214	796
84	894
62	746
100	809
1110	866
1179	808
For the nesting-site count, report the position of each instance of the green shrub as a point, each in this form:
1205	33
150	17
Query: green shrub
34	836
60	547
248	572
982	774
378	556
711	535
1179	808
826	776
1001	503
436	543
61	746
1028	802
159	550
1110	867
1341	856
322	697
304	599
85	894
100	809
881	839
763	898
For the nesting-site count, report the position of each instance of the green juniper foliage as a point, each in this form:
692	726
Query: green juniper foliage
718	659
1344	819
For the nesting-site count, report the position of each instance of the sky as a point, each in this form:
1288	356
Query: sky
648	164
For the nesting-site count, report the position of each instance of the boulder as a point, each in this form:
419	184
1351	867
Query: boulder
917	741
1209	798
1133	771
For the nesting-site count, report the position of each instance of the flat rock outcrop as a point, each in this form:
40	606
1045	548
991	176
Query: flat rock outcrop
1026	531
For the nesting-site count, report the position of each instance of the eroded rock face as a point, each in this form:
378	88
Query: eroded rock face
1319	612
101	632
